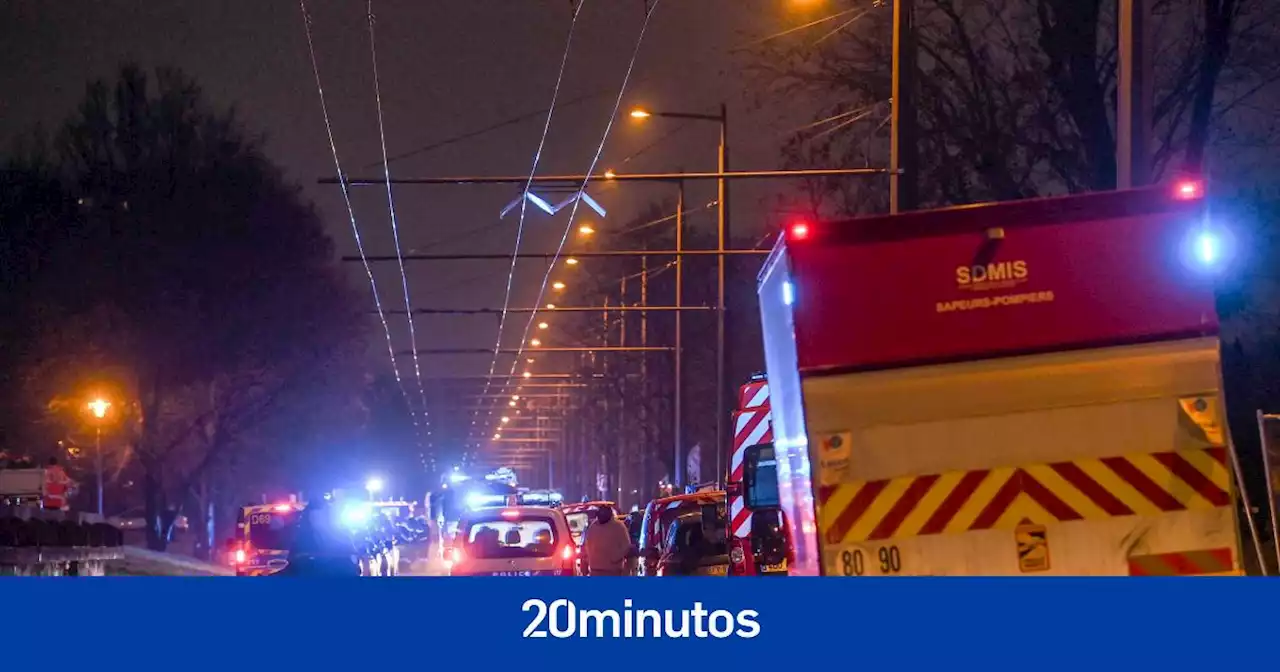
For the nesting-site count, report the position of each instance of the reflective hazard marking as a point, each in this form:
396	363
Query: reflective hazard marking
1144	484
1186	563
1033	547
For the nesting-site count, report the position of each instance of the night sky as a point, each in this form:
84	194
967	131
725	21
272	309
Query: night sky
447	67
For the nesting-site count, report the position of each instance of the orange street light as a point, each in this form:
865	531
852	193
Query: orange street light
528	375
609	174
535	342
557	285
551	306
571	261
586	229
99	408
543	325
639	113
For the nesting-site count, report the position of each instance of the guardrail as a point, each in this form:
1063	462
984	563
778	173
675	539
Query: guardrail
36	542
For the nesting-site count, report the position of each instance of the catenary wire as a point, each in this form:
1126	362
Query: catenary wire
351	213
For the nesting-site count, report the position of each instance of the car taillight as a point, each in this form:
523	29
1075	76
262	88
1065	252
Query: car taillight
241	556
568	560
568	552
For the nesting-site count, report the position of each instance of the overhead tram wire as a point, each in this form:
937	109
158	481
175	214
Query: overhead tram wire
351	213
391	207
604	138
524	200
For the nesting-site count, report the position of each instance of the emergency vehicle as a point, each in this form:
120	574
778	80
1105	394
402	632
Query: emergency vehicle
1027	387
658	517
264	533
759	538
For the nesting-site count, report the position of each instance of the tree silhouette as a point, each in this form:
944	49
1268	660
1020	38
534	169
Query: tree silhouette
195	284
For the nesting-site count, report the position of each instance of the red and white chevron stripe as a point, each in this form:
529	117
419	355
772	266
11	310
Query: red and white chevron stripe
739	517
750	428
753	395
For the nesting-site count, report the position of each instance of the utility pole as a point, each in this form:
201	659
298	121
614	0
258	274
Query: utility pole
677	467
723	359
903	153
1133	113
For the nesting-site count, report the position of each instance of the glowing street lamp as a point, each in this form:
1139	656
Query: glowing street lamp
543	325
515	397
373	485
512	404
557	285
505	419
99	408
535	342
551	306
639	113
571	261
609	174
527	374
586	229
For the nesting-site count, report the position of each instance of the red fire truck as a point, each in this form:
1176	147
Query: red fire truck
1000	389
759	539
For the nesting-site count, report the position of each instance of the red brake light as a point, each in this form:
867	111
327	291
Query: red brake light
568	552
1188	190
455	555
241	556
798	231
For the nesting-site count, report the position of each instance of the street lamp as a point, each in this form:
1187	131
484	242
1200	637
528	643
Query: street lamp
543	325
99	408
586	230
557	285
535	342
722	203
571	261
551	306
505	419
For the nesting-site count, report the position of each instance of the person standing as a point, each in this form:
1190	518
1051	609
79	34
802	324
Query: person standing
56	486
607	544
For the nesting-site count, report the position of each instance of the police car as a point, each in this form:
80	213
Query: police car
513	541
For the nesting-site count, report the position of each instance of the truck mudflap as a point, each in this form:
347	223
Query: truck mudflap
1166	513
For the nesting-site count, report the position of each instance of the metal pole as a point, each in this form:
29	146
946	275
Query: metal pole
1133	113
722	355
606	177
903	175
98	466
677	467
1271	493
1248	508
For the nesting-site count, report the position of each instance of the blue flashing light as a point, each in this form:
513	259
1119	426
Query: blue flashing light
1208	248
355	515
788	293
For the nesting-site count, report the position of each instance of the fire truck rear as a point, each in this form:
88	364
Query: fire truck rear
759	538
1004	389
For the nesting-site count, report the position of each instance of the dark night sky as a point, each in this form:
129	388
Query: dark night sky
447	67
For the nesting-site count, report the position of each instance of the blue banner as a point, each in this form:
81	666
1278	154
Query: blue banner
657	625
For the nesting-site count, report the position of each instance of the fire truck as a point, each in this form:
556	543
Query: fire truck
759	538
1027	387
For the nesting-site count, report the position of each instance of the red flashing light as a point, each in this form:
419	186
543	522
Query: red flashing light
284	508
241	556
1188	190
568	552
799	231
509	513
